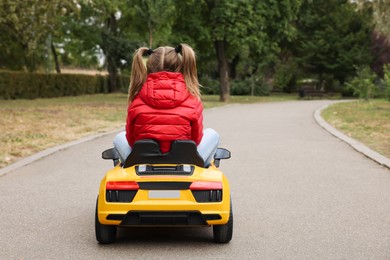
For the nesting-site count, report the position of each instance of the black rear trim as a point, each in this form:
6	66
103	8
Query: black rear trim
115	217
212	217
120	195
164	185
163	218
207	195
148	152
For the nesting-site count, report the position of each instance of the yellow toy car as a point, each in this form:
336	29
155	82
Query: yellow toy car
174	189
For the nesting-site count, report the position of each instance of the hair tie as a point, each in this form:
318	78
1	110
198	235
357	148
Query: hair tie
149	51
178	48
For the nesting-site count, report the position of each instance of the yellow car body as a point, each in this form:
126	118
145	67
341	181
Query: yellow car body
173	200
175	194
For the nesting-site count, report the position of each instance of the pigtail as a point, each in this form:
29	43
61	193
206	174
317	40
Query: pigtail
138	72
189	68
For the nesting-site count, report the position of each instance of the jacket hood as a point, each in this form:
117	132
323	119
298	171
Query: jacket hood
164	90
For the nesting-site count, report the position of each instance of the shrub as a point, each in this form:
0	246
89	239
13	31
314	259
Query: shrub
285	77
363	83
386	81
25	85
210	86
253	86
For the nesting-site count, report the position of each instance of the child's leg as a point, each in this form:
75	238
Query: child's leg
208	146
122	146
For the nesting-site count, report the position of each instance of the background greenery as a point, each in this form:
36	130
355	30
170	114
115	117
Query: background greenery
245	47
250	49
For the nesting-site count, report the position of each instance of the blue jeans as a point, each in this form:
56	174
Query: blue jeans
207	147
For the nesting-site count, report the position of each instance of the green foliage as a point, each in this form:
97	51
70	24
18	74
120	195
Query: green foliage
282	39
381	13
386	81
154	18
26	26
238	34
250	86
285	77
333	38
210	86
363	83
15	85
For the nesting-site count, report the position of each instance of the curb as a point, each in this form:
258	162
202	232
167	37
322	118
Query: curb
361	148
49	151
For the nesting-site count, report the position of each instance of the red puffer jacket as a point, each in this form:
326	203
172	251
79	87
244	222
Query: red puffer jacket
165	111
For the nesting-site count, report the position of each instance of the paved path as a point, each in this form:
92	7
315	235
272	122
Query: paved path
298	193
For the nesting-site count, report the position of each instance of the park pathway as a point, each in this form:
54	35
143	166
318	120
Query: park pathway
298	193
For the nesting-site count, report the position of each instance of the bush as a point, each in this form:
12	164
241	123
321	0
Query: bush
210	86
24	85
386	81
285	77
252	86
363	84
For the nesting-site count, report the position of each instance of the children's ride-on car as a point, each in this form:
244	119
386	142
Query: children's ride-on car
175	189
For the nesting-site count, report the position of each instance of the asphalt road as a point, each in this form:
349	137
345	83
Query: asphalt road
298	193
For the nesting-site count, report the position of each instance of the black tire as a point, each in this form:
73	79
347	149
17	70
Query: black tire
224	233
105	234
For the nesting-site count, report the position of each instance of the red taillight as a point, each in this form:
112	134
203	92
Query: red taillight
206	185
122	185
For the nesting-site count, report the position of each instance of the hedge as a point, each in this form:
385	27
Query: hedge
24	85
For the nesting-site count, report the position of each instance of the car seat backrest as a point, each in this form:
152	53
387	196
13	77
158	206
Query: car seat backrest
148	152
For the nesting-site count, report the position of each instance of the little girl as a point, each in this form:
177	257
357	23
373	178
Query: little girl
164	102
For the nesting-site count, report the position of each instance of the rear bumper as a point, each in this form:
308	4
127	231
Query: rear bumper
184	211
164	218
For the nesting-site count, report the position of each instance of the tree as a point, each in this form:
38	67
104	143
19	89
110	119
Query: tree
156	15
333	39
380	12
100	30
28	24
232	28
380	49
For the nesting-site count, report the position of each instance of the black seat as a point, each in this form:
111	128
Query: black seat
148	152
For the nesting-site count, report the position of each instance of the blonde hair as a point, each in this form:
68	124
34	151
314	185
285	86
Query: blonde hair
180	59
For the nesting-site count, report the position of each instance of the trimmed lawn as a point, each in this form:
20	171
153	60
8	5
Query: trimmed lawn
368	122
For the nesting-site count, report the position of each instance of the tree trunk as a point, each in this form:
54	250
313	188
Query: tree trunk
109	33
150	38
53	50
112	75
223	70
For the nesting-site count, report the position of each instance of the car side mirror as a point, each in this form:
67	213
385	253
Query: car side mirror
220	154
110	154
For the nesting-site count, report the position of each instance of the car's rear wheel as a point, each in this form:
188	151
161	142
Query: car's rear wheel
105	234
224	233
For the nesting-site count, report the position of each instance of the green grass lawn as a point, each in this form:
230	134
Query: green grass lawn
368	122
